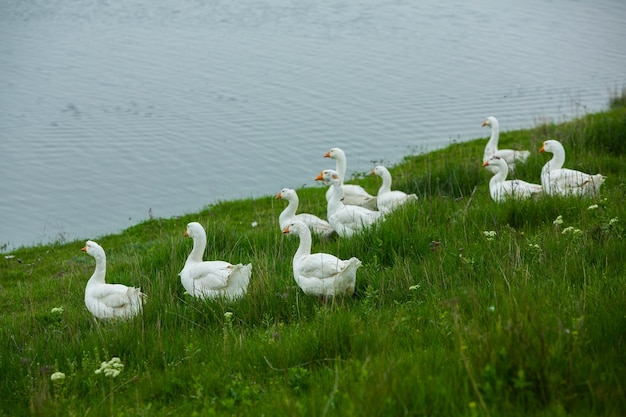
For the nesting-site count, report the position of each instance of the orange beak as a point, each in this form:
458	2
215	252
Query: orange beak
542	150
486	163
327	155
320	177
372	172
186	234
278	196
484	123
84	249
286	230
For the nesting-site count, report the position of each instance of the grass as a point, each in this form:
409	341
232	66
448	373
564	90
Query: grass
446	319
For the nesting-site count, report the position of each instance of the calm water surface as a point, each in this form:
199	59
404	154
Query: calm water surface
111	110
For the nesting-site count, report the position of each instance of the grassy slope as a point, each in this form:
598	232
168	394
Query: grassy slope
444	322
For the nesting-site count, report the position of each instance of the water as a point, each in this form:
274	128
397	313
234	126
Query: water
110	111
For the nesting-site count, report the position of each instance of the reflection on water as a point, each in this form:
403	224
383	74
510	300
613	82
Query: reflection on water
109	110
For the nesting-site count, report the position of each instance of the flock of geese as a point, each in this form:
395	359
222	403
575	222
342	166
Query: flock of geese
555	180
350	210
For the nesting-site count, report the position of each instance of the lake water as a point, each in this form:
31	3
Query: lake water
111	110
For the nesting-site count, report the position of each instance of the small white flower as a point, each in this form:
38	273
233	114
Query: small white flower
414	287
572	230
254	224
492	308
534	246
558	220
9	257
57	376
57	310
228	315
111	368
592	207
613	221
489	234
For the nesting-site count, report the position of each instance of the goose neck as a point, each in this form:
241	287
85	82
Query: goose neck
340	166
558	159
336	194
101	269
386	184
495	132
499	176
199	244
304	248
289	211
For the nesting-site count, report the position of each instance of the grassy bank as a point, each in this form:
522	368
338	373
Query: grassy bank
446	320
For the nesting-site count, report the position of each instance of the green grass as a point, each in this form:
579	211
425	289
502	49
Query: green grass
445	321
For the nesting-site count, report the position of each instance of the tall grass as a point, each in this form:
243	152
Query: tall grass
446	319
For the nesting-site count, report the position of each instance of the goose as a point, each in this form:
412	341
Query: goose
109	301
557	180
502	189
352	194
387	199
491	149
344	218
321	274
318	226
212	279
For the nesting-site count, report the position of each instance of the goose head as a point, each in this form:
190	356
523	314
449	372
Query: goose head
286	193
551	146
329	176
490	121
93	249
497	162
296	228
379	170
194	230
335	153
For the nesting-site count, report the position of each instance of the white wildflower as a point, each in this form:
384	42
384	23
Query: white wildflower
111	368
613	221
489	234
414	287
254	224
492	308
534	246
9	257
572	230
592	207
57	376
558	221
228	315
57	310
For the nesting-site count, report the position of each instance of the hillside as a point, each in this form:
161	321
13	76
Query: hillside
463	307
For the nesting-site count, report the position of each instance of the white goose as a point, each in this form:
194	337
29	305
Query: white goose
352	194
491	149
212	279
389	200
502	189
321	274
557	180
288	215
109	301
344	218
